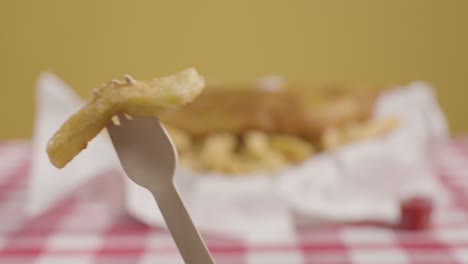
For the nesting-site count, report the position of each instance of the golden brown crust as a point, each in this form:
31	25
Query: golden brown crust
295	111
136	98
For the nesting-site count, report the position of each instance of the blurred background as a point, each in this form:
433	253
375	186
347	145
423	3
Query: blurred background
89	42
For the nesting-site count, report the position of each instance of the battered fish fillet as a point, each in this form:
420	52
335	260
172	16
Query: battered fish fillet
133	97
300	112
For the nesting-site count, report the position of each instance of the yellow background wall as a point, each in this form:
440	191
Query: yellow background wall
88	42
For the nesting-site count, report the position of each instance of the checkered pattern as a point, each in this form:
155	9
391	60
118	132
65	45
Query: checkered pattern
78	232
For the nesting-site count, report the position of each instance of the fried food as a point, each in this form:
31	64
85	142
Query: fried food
243	130
334	137
217	151
254	151
132	97
257	148
260	151
295	149
301	112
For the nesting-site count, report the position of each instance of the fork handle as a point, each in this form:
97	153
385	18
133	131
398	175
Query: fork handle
189	242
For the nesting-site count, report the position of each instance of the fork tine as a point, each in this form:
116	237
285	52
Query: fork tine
114	121
118	131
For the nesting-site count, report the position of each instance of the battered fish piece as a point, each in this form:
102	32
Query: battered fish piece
132	97
301	112
245	129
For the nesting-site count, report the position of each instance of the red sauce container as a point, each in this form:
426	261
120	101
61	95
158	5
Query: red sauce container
415	213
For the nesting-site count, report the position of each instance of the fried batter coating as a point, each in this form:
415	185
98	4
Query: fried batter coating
245	129
132	97
301	112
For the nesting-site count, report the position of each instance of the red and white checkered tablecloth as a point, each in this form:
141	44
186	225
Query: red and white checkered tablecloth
78	232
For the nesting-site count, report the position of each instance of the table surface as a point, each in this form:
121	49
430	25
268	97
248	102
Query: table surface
78	232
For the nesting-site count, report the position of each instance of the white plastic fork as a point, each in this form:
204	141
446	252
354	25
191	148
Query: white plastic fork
149	158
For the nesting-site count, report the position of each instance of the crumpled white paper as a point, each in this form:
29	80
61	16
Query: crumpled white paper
360	181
